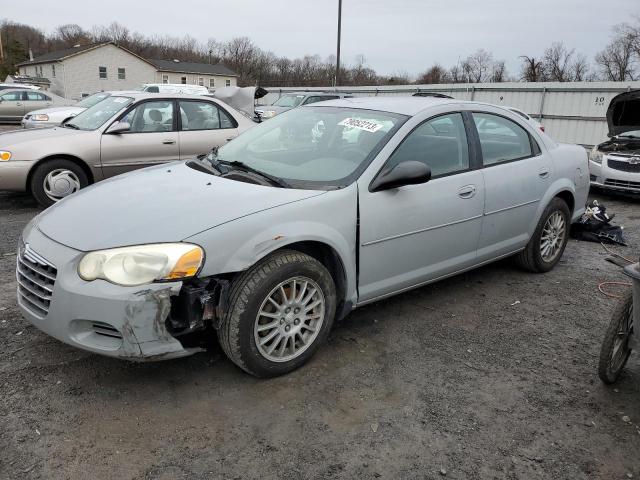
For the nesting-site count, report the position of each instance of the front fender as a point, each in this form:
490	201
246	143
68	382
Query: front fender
329	219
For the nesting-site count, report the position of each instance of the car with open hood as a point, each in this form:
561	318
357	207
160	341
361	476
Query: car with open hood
268	240
123	132
615	164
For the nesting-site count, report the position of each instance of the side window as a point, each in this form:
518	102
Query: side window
501	139
203	116
37	96
12	97
102	73
440	143
318	99
150	117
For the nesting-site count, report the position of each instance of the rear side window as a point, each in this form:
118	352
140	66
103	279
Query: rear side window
37	96
440	143
318	99
501	139
203	116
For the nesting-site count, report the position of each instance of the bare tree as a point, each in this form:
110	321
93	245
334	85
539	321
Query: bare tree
617	62
435	74
579	69
477	66
498	72
557	62
532	69
71	34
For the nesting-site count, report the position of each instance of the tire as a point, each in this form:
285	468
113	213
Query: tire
55	179
532	258
609	368
281	277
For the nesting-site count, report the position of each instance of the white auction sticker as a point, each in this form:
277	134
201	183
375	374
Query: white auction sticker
366	125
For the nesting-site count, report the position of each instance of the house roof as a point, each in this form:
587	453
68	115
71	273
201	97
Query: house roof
61	54
190	67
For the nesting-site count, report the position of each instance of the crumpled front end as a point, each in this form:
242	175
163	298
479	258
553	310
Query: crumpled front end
124	322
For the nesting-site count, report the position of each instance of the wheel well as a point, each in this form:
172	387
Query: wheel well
71	158
330	259
567	196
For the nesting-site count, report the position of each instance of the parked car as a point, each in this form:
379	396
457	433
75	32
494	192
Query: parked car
51	117
121	133
20	86
175	88
293	100
615	164
271	238
16	102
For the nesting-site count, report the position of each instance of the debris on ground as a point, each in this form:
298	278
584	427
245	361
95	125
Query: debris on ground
595	226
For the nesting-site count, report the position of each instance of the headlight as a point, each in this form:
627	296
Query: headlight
595	155
40	117
5	156
130	266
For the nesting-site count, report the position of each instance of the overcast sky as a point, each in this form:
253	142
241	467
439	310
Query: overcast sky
394	36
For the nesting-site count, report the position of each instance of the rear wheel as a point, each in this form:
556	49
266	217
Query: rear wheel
547	244
280	311
56	179
615	349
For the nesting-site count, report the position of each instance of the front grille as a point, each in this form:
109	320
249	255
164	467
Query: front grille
623	184
105	330
36	277
624	166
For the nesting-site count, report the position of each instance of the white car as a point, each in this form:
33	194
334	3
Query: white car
52	117
528	118
175	88
615	164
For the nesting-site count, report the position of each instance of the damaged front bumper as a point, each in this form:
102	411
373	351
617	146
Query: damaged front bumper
602	175
124	322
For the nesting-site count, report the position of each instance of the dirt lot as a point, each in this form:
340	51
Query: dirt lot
487	375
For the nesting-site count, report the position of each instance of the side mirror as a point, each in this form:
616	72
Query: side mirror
405	173
118	127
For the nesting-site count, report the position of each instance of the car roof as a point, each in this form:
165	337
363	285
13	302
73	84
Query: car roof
402	105
144	95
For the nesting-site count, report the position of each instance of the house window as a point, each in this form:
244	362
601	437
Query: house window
165	78
201	81
53	71
183	80
228	83
122	74
102	72
212	82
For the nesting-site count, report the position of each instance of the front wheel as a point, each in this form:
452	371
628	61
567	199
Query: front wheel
280	311
615	349
56	179
549	239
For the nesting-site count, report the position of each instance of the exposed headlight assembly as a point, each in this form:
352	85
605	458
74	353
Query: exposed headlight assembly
595	155
137	265
5	156
40	117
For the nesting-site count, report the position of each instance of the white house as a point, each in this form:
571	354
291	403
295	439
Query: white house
85	69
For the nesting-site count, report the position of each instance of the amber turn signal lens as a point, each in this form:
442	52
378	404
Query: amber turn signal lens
187	265
5	156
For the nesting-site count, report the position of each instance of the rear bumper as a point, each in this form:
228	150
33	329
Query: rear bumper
100	317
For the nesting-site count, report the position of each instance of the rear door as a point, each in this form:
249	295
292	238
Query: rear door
36	101
12	106
152	138
203	125
516	175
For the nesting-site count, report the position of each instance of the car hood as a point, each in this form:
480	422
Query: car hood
58	111
165	203
623	114
15	138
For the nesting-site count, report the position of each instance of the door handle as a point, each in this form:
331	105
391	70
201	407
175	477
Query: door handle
168	142
468	191
230	138
18	104
544	173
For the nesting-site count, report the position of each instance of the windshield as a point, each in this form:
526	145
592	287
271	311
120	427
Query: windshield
314	146
290	101
631	134
98	115
91	100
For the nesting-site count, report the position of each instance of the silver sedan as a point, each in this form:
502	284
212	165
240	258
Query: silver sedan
291	226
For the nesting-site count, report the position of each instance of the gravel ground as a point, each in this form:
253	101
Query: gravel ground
491	374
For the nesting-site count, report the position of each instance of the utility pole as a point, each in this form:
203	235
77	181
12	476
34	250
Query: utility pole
336	80
1	50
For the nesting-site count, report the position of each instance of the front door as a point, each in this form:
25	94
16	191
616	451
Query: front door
203	125
418	233
12	106
516	174
152	139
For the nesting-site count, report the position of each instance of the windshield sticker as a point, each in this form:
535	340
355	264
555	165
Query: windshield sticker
366	125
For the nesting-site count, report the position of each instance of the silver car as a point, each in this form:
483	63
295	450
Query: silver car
293	100
15	103
121	133
270	239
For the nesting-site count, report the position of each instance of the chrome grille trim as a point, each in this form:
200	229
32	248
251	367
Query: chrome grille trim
36	278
